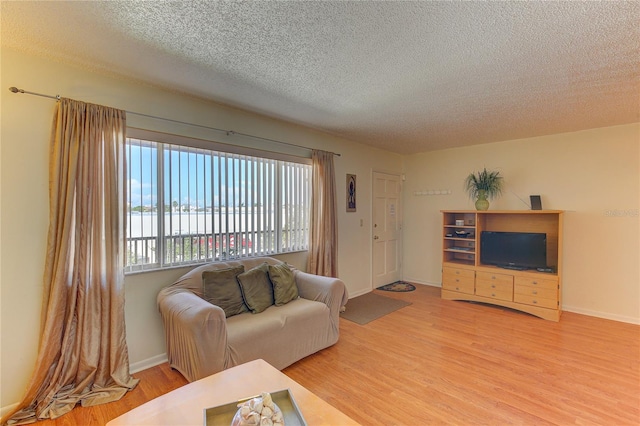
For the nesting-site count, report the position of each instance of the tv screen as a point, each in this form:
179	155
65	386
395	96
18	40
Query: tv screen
516	250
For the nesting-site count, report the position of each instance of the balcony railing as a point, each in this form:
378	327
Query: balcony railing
143	253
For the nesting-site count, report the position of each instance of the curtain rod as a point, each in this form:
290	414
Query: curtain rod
228	132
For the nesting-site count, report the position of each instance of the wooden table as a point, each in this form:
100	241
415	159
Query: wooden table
185	405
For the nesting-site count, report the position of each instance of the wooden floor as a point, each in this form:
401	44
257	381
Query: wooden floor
448	362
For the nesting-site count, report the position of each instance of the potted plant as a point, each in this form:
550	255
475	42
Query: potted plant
483	185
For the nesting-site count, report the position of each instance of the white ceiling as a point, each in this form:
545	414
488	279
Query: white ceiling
402	76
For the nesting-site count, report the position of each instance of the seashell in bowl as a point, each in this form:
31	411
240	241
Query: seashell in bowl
258	411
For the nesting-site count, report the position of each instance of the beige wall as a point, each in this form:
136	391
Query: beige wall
594	175
26	122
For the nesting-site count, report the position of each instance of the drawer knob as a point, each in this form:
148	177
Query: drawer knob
458	288
493	295
457	280
534	292
493	277
535	283
493	286
535	302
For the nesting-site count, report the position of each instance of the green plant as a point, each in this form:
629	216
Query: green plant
488	182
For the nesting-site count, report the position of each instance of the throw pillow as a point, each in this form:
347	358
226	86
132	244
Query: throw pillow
256	288
221	289
284	285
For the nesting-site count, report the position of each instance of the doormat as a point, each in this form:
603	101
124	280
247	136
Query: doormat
370	306
398	286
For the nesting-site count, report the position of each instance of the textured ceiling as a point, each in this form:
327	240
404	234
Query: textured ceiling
402	76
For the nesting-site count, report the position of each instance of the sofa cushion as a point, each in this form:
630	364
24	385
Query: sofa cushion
281	335
284	285
257	290
221	288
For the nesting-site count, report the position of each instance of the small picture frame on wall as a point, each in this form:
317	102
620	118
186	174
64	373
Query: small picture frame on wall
351	193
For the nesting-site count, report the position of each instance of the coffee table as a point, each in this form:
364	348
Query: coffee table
185	405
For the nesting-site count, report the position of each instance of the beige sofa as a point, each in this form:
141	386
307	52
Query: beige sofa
201	341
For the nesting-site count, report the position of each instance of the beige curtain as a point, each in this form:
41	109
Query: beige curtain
83	355
323	235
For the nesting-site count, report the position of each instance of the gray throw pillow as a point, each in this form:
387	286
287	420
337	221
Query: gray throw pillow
221	289
284	286
256	288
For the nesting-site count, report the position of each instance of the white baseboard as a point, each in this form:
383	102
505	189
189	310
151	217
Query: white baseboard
148	363
429	283
359	293
604	315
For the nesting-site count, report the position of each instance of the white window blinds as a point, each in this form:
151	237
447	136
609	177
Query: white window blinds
193	205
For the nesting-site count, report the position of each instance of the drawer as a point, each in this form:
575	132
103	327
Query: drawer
536	301
495	278
458	272
550	283
540	292
463	282
496	289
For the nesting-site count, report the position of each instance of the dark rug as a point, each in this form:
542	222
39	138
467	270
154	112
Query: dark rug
398	286
370	306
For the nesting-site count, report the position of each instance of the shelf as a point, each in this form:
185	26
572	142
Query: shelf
459	262
460	250
532	272
498	212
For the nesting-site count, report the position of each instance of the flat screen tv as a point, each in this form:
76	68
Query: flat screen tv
514	250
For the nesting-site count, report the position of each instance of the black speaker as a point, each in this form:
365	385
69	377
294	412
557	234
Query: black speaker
536	203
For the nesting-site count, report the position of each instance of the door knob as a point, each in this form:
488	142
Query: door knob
376	237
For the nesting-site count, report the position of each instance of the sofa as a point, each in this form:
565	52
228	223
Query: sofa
203	338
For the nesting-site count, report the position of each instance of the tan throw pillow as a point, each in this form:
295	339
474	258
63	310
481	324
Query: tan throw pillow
284	286
221	289
256	288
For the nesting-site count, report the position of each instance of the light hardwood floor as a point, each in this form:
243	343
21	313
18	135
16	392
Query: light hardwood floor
448	362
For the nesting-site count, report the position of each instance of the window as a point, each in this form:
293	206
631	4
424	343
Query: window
192	205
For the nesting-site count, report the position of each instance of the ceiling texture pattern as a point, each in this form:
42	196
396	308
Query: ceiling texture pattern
406	77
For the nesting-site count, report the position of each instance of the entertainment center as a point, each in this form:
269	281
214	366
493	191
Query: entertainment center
512	271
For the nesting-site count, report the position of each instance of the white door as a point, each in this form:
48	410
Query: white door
387	229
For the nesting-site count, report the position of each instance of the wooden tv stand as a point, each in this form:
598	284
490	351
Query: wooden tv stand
464	277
